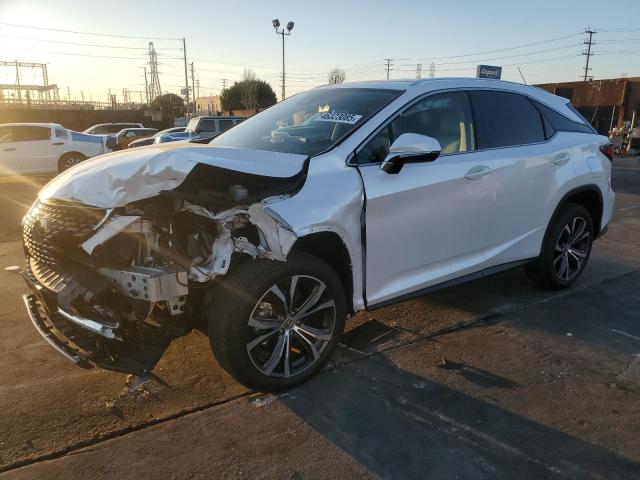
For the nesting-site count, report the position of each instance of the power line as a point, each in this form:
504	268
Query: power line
86	33
80	44
501	49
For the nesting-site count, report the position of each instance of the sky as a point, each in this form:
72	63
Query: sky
225	37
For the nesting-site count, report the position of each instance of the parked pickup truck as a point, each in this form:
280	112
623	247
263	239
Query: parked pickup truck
44	148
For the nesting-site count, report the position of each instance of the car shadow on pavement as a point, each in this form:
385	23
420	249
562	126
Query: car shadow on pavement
399	425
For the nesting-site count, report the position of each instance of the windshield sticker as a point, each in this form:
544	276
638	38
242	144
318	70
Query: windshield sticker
350	118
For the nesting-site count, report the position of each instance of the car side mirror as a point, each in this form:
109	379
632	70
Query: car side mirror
410	147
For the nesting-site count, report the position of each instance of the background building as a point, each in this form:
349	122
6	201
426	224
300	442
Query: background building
606	104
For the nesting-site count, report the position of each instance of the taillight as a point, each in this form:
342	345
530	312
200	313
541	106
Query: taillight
607	151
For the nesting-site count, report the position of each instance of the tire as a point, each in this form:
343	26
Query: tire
70	159
565	249
263	339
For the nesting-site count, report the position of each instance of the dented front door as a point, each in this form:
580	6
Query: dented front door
426	225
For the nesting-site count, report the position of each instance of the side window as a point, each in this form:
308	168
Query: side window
225	124
506	119
6	135
376	149
207	126
130	134
60	133
31	134
555	121
445	117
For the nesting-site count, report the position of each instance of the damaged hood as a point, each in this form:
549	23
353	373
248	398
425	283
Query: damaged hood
116	179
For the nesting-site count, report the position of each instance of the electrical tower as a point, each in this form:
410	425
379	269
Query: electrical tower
432	70
40	94
154	85
588	42
388	66
419	71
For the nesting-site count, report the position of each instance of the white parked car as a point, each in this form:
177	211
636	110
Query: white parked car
110	128
341	199
44	148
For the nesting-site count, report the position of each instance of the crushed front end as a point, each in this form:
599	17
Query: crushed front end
113	287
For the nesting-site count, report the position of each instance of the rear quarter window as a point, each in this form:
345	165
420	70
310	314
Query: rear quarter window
505	119
556	122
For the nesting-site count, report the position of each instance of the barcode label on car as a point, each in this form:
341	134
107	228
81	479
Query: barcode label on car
350	118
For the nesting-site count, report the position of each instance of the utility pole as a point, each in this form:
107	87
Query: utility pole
588	42
186	76
193	87
419	71
388	60
68	94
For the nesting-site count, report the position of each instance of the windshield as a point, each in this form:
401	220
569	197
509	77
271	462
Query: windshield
308	123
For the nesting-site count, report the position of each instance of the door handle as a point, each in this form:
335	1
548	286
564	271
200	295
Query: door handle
561	159
477	172
58	143
11	149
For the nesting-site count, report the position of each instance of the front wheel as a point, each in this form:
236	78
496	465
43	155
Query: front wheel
272	325
565	250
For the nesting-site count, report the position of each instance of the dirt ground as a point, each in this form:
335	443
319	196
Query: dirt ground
492	379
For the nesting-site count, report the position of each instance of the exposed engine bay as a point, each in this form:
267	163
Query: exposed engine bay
113	286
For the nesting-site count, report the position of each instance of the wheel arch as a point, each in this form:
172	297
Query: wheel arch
331	249
588	196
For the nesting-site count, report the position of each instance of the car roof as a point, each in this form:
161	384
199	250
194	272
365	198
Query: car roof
25	124
114	123
219	117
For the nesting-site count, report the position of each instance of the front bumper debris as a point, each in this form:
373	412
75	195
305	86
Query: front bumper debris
84	345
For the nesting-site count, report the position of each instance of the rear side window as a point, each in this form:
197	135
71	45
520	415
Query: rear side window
556	122
207	126
30	134
60	133
505	119
225	124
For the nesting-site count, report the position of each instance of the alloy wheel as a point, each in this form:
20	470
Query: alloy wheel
572	248
71	161
290	326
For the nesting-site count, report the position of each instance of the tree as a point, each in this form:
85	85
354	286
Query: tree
337	75
170	104
249	94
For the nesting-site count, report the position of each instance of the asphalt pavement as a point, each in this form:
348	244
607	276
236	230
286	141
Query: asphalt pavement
491	379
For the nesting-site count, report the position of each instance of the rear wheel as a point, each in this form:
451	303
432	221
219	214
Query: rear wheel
565	250
272	325
68	160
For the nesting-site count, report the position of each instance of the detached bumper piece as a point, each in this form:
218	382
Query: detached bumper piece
87	343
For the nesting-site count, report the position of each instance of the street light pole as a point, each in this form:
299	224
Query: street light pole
283	32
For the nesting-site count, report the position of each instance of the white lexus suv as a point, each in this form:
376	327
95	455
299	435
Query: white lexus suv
341	199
